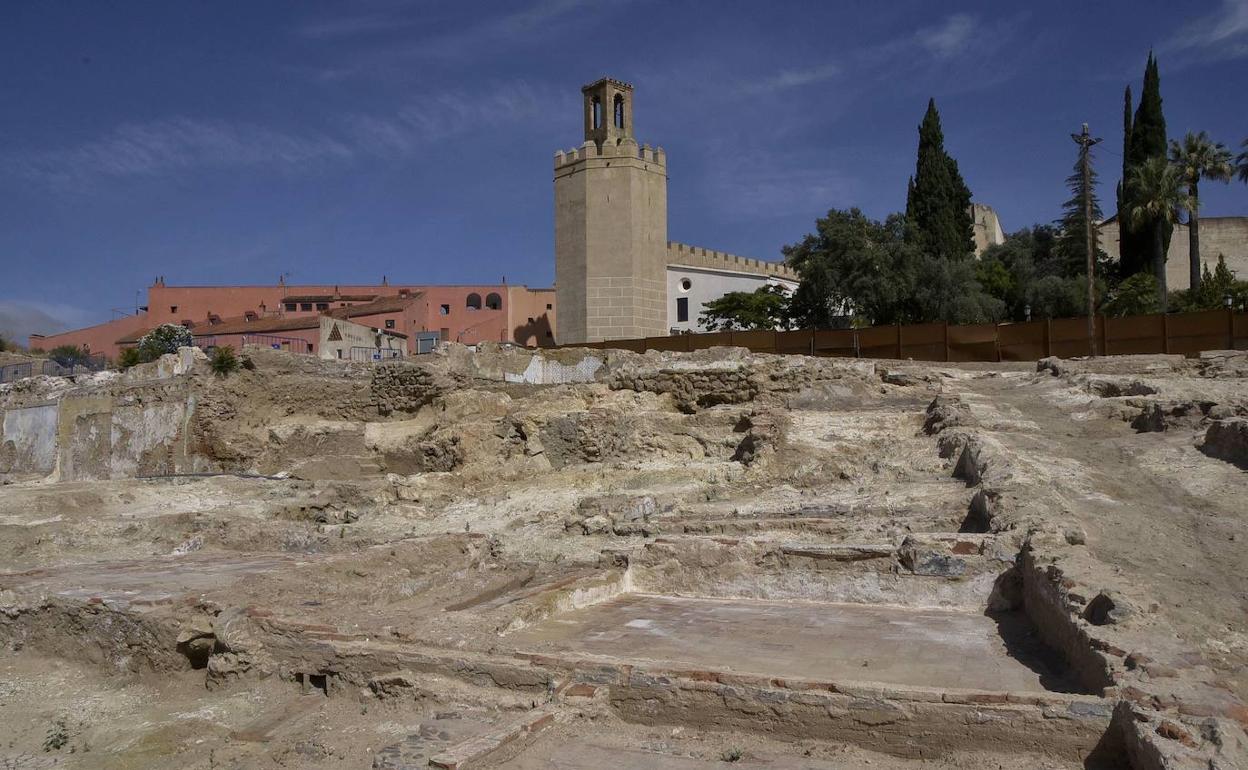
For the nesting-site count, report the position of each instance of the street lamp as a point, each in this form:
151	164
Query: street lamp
1027	312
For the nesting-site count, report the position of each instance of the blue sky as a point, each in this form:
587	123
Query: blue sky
234	142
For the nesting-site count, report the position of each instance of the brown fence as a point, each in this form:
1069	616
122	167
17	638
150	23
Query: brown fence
1185	333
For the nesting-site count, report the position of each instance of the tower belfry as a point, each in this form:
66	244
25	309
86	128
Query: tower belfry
610	226
608	111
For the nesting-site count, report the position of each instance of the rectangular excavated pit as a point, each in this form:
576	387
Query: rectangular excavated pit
845	642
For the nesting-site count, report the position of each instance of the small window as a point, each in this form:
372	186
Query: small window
389	323
305	305
549	306
548	334
339	352
493	301
322	306
682	309
290	306
685	284
445	310
597	110
310	346
619	111
173	308
474	301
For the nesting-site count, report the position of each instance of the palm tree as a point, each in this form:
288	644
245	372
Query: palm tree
1198	157
1157	192
1242	161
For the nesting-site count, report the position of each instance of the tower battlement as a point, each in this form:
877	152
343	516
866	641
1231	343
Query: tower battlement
627	148
697	256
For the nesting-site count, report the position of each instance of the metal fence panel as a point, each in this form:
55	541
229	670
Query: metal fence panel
756	341
798	342
973	342
1186	333
878	342
1190	333
1068	337
836	342
1135	335
923	342
708	340
1022	341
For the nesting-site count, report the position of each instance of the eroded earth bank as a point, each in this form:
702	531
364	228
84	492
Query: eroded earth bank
581	559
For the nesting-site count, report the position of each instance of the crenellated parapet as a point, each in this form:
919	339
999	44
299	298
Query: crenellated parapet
626	148
697	256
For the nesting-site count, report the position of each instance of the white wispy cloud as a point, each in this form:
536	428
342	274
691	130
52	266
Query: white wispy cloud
349	26
182	145
179	144
530	25
1218	36
791	78
446	114
773	184
951	37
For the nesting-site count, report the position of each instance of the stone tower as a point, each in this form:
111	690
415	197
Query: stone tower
610	226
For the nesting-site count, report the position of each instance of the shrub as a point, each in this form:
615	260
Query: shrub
68	355
223	361
128	358
58	735
1136	295
166	338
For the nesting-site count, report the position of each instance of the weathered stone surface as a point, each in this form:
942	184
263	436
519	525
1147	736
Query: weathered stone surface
1228	440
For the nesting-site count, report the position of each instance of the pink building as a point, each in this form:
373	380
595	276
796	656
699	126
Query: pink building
467	314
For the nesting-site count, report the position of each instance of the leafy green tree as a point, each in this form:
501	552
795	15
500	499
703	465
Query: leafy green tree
69	356
853	266
938	202
767	307
166	338
1147	142
1213	290
1241	163
1198	157
1157	196
1136	295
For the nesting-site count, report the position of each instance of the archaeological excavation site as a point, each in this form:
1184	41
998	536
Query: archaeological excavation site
585	558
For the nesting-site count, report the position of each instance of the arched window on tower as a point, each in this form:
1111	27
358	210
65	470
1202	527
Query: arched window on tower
619	111
493	301
597	108
474	301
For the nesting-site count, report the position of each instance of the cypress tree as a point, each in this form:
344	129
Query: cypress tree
1147	139
938	202
1126	153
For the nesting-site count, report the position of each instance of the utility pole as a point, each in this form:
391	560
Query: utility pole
1086	142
